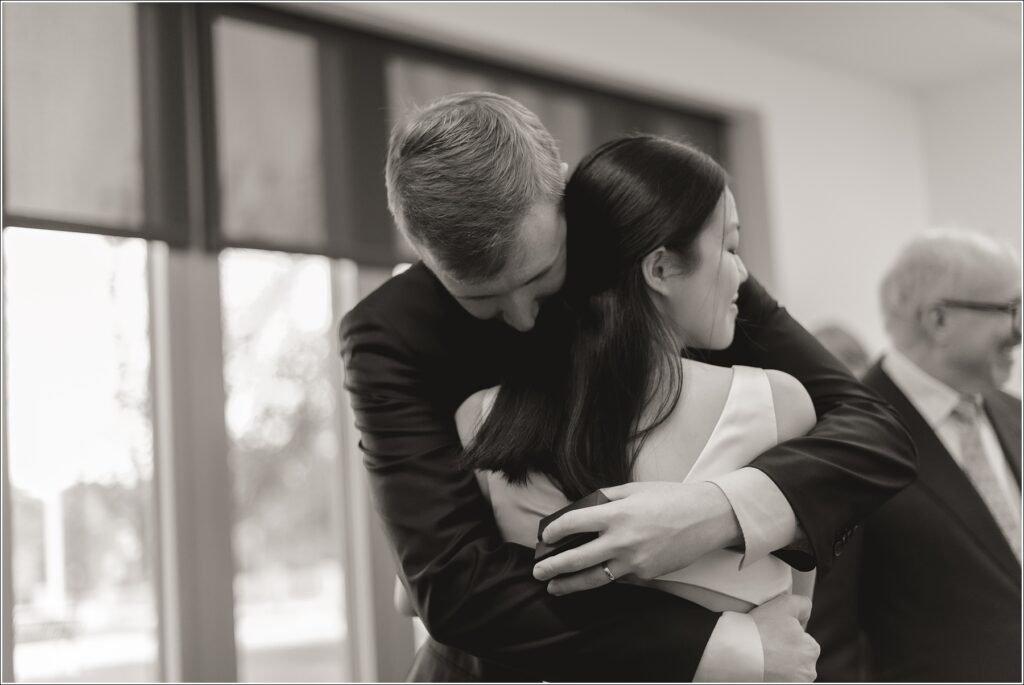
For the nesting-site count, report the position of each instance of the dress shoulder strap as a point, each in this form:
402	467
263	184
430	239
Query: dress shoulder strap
755	404
746	427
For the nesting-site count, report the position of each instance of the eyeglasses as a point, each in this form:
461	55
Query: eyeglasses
1011	308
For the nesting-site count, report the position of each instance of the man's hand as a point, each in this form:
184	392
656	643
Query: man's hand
790	654
647	530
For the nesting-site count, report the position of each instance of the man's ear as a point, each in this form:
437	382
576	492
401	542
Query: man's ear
656	268
933	321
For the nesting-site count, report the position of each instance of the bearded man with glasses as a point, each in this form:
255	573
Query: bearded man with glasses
930	587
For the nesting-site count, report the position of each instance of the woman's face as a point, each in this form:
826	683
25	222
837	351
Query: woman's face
701	305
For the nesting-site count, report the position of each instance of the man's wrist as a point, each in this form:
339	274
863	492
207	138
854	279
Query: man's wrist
766	519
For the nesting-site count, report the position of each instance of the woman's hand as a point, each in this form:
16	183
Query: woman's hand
790	654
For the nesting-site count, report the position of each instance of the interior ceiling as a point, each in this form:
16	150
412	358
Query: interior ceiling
918	44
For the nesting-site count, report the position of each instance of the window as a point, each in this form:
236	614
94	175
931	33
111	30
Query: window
284	451
80	457
268	134
72	136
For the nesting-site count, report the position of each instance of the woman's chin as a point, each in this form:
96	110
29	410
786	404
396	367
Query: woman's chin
720	337
721	342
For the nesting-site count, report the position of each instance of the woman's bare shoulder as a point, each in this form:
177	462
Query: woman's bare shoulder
794	411
701	372
705	389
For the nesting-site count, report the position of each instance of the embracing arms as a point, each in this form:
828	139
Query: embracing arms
856	456
475	592
472	590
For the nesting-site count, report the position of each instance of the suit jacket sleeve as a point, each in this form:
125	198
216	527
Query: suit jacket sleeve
472	590
857	456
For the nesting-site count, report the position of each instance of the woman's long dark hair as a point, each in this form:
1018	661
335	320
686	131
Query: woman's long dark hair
577	403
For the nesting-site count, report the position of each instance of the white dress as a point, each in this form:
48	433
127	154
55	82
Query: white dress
745	428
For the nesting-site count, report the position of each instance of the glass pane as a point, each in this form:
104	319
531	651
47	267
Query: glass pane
564	115
72	137
417	82
578	119
81	463
284	449
268	135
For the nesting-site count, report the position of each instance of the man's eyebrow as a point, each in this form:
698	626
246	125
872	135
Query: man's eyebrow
537	276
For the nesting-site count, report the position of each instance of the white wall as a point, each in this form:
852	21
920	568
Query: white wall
972	134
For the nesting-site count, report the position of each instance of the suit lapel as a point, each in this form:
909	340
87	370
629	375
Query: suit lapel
1005	419
940	475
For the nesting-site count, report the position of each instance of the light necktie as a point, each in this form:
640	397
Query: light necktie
979	471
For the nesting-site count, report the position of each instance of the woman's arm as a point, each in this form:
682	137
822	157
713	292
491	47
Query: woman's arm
794	411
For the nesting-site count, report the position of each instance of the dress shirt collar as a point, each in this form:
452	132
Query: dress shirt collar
933	398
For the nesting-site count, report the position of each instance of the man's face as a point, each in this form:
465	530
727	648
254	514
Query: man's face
535	271
978	346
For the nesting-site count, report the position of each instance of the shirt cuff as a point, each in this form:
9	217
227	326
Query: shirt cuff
766	519
734	653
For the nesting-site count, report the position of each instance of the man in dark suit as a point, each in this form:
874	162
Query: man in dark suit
929	588
475	182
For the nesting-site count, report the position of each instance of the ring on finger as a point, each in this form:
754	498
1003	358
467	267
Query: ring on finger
608	572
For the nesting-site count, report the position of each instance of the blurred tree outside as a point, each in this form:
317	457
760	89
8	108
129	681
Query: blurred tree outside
283	451
82	510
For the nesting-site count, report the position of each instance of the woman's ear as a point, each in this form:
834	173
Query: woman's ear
656	270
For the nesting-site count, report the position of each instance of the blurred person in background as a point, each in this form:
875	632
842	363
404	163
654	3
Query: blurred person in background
845	347
929	588
475	183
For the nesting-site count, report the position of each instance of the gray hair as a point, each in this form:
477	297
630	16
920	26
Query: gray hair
463	172
933	265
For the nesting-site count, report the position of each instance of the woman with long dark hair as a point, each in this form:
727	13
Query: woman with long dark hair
606	392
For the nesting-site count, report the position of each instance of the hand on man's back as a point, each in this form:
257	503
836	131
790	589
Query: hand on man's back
790	654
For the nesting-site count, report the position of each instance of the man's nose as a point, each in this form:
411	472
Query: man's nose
521	313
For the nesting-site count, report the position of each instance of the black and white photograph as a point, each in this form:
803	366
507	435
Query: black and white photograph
511	342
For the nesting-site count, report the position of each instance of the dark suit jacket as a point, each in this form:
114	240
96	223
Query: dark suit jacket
412	355
928	589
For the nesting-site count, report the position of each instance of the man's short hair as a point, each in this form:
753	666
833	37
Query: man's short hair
932	266
462	173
